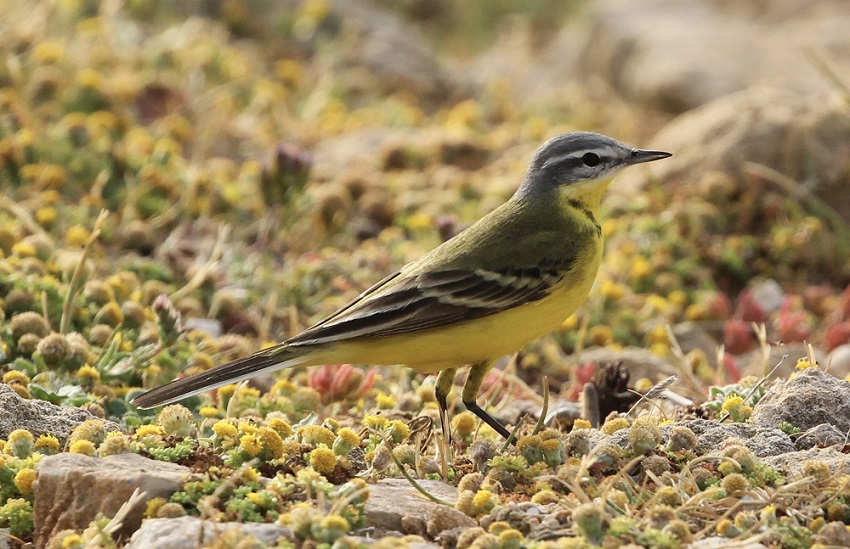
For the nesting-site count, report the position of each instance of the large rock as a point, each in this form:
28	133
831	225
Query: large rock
40	417
395	506
805	139
678	55
178	533
72	489
808	400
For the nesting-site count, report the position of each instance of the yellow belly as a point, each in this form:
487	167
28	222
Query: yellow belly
485	338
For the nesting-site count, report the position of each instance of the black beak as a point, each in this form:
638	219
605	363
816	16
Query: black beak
639	156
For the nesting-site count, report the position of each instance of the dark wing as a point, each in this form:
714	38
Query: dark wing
433	299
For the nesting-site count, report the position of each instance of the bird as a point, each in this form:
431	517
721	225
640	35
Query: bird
510	278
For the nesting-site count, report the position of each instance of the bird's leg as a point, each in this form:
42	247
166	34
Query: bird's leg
470	392
443	386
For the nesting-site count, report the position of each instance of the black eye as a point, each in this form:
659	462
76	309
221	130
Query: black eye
591	159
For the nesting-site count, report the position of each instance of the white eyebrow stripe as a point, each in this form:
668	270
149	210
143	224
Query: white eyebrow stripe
576	155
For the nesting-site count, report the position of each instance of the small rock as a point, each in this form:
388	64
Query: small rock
40	417
446	518
719	543
762	440
791	463
178	533
808	400
72	489
392	499
833	534
822	435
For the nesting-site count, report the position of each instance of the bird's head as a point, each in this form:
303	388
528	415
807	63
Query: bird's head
580	165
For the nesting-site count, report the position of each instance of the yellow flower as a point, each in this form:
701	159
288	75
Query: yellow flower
601	335
249	474
611	290
20	435
85	447
77	235
73	541
248	428
290	71
375	422
281	426
226	392
88	372
48	52
658	334
24	480
385	401
640	269
153	506
23	249
46	215
581	424
16	376
323	459
89	78
208	411
464	424
248	392
256	499
335	523
399	430
47	442
271	442
283	387
250	444
349	436
146	430
315	435
678	297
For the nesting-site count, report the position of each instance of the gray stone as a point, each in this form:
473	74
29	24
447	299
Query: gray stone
821	436
791	463
720	47
833	534
445	518
178	533
72	489
40	417
763	441
395	506
717	542
809	399
802	138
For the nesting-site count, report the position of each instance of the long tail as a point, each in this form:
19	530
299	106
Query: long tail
267	360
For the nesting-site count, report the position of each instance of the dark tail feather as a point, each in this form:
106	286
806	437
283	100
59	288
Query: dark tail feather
267	360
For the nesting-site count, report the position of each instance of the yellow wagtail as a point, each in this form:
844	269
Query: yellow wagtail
510	278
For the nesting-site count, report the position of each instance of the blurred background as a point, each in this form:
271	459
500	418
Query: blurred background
263	162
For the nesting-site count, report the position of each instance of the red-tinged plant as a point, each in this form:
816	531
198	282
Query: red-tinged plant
344	382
